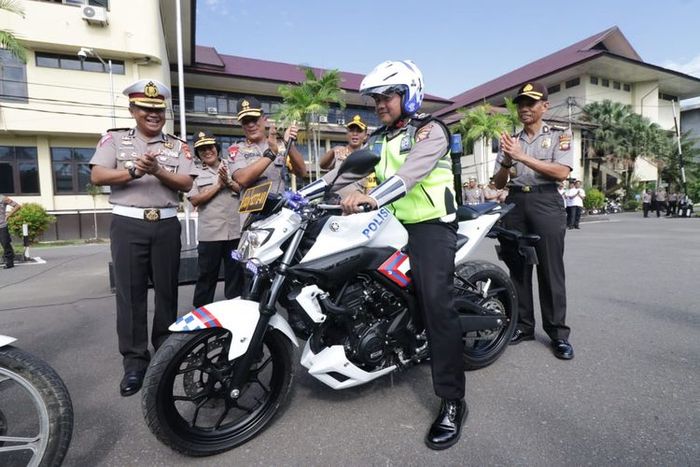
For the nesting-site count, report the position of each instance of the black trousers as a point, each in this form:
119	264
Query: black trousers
431	248
573	216
646	207
141	250
6	243
541	214
210	256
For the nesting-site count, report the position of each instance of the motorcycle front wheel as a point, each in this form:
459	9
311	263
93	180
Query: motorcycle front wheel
36	412
187	400
490	287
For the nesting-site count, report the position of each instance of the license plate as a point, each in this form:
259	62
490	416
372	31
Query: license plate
254	198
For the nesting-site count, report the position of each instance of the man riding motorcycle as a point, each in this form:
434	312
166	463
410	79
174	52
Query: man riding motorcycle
415	182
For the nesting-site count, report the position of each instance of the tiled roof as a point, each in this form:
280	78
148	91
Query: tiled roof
208	60
609	41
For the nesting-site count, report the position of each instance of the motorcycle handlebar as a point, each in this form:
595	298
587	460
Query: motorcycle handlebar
366	207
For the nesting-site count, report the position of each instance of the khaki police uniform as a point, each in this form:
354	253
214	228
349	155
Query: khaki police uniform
244	153
473	196
5	239
539	209
145	230
218	233
416	184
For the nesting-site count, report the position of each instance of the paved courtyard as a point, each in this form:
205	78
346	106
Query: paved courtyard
630	397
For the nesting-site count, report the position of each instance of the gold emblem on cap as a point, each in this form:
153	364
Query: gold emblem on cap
356	119
201	134
150	90
528	87
245	104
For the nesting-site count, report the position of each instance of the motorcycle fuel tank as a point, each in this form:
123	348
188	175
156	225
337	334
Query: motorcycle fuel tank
374	229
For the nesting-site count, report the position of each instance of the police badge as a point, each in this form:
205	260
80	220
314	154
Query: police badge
546	143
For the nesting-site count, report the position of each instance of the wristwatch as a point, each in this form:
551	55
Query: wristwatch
131	168
506	166
269	154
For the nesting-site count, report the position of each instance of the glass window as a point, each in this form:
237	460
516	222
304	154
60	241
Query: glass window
627	87
211	103
616	85
199	104
71	170
605	83
573	82
554	89
19	170
72	62
594	80
13	78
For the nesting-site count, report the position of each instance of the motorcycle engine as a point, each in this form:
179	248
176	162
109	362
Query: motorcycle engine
375	309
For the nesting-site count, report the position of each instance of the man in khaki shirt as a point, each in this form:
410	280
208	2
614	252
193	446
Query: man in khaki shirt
215	196
5	240
145	169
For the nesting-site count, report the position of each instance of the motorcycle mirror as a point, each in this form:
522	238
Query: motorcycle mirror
359	162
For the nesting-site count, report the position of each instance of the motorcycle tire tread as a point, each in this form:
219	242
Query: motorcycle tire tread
54	395
478	268
155	371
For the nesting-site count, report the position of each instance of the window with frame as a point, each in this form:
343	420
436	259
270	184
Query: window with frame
554	89
71	170
13	78
594	80
573	82
616	85
627	87
19	170
102	3
605	83
73	62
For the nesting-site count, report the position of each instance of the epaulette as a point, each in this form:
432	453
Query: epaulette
118	129
559	127
176	137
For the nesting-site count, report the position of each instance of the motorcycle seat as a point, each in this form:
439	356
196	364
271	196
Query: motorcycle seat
472	211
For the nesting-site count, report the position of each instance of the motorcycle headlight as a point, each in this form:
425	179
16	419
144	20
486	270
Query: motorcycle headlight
251	240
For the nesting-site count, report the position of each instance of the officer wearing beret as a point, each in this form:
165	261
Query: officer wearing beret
215	196
532	162
260	158
145	169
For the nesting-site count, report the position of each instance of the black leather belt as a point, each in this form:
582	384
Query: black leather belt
546	188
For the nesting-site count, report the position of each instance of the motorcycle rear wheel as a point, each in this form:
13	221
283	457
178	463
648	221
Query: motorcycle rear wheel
490	287
39	437
186	398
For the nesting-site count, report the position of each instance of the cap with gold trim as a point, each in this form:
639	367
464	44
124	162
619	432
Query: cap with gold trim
357	121
148	93
534	90
203	139
249	107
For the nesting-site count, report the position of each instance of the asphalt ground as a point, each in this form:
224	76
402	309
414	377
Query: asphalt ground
631	395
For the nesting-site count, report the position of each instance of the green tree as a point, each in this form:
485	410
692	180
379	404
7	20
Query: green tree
483	123
94	191
7	39
305	101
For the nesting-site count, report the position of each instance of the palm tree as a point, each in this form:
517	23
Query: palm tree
7	39
305	101
483	124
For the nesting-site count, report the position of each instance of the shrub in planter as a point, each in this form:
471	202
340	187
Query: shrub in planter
594	199
631	205
35	216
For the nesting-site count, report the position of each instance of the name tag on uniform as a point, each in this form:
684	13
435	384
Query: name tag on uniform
254	198
405	143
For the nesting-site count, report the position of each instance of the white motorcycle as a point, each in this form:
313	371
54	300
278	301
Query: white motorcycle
345	285
36	413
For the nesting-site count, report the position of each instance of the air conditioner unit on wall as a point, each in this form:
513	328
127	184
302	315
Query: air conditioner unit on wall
323	119
94	14
212	110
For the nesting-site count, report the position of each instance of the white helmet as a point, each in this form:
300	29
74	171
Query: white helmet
403	77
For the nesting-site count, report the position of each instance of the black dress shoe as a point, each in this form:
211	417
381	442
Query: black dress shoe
562	349
9	266
447	427
519	335
131	382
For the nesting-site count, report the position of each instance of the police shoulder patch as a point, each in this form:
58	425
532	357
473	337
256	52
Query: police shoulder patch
564	142
423	132
106	137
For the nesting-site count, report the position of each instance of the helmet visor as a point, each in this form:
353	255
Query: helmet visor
383	90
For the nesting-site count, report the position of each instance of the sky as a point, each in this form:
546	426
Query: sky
457	44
